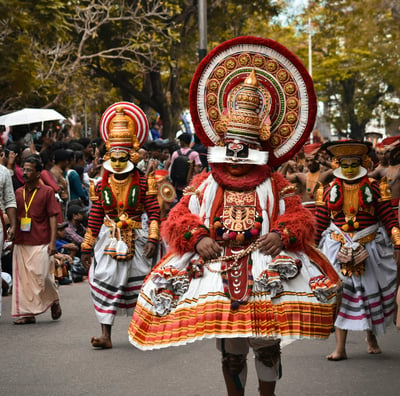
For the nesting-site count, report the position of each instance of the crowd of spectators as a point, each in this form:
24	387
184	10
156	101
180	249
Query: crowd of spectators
70	164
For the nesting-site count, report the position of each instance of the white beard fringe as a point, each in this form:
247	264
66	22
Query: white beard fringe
217	155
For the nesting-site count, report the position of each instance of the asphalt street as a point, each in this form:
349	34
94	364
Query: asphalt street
55	358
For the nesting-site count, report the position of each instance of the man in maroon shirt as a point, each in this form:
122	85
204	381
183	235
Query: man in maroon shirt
34	245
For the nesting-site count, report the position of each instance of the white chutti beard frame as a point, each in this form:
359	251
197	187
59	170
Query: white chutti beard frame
217	155
338	173
107	166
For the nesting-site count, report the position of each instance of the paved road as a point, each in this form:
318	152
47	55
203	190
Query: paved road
55	358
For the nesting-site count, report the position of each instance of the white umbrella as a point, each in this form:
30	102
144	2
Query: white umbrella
30	116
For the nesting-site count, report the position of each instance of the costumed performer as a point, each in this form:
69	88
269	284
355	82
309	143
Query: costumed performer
354	221
240	266
121	202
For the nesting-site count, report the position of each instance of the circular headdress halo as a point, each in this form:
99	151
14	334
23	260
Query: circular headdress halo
293	102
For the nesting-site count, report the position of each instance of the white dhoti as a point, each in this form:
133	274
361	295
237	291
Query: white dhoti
368	299
34	288
115	285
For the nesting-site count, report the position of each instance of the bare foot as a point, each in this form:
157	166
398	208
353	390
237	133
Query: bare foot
336	356
56	311
373	346
101	342
25	320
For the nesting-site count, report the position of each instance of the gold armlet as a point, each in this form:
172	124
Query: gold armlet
395	238
319	195
151	184
384	188
88	240
154	230
92	192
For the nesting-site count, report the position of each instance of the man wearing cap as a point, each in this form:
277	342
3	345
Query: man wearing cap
123	223
355	224
237	268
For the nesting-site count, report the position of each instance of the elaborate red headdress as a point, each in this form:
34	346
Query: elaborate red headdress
124	128
391	140
254	91
310	149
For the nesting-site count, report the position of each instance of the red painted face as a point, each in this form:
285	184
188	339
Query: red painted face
239	169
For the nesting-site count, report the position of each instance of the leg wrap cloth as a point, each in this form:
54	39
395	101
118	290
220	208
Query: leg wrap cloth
234	356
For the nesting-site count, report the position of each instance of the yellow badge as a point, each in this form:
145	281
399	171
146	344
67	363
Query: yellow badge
26	224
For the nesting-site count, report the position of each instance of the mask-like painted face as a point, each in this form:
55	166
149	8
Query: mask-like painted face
350	167
119	160
237	151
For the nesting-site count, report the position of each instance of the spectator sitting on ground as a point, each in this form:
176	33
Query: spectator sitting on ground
75	230
63	260
62	245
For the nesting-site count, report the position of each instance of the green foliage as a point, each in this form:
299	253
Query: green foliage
356	60
83	55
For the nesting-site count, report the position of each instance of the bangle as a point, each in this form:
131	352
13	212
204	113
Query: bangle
202	236
88	240
395	236
154	230
277	232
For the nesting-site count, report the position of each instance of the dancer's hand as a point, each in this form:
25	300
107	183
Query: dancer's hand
271	244
396	256
397	311
150	249
86	259
208	249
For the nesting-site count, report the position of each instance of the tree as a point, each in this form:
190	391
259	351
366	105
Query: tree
356	60
27	30
89	53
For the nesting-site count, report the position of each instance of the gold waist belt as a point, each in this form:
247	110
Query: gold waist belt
362	241
126	224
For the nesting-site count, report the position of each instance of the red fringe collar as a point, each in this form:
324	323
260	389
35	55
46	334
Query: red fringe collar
365	194
246	182
105	184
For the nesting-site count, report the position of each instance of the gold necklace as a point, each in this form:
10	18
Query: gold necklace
350	200
311	182
120	189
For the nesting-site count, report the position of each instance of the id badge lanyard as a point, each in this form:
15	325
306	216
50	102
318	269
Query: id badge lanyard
26	221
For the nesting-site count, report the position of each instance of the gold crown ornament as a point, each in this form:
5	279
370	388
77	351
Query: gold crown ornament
248	120
255	95
122	132
124	129
348	149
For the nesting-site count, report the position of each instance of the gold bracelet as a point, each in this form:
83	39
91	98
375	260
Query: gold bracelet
154	230
395	238
88	240
151	184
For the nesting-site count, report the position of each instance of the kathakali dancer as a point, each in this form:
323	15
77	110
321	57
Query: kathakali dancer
241	266
123	224
354	221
